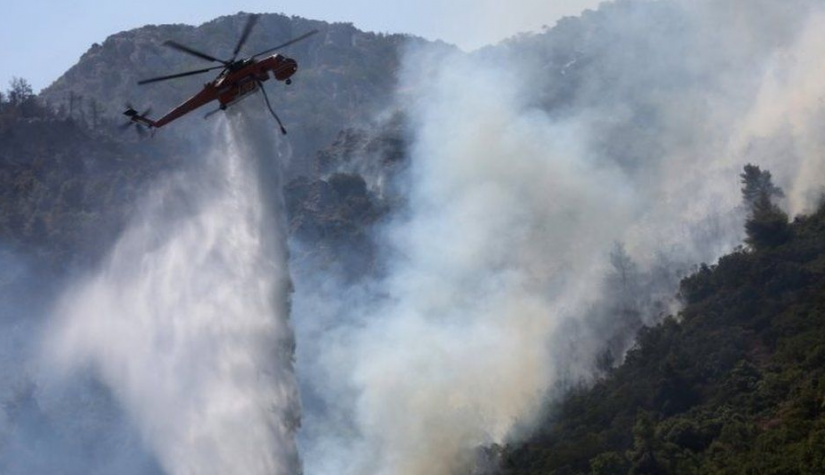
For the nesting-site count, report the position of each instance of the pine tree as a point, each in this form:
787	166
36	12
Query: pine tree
767	224
757	183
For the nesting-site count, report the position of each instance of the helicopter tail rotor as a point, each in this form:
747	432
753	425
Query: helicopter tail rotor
140	121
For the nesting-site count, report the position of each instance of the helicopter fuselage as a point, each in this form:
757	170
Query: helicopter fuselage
237	81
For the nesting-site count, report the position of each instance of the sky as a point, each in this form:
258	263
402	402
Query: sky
41	39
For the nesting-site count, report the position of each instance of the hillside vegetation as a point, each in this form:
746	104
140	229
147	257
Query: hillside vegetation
67	189
733	384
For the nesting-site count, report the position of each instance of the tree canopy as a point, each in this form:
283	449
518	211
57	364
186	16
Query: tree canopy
733	384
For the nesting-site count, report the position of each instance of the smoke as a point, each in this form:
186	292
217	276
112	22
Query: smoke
39	430
187	322
787	117
557	187
528	163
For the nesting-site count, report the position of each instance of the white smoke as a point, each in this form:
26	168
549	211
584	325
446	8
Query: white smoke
456	349
187	322
790	108
519	186
528	162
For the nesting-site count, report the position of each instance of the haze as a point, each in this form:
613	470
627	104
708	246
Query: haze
45	38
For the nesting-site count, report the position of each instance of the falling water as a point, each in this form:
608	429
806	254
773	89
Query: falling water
187	322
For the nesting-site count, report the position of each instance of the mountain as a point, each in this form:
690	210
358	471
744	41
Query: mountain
734	383
346	75
71	178
68	190
730	384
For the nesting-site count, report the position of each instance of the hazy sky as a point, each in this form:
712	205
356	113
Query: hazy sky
40	39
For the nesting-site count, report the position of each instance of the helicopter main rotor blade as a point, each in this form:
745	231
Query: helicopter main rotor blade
193	52
288	43
179	75
247	29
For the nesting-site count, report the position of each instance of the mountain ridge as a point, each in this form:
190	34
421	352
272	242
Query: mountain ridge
346	76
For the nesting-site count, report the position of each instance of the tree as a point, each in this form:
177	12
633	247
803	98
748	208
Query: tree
757	183
622	263
78	106
609	463
95	111
624	317
21	98
625	275
72	104
643	454
20	91
767	224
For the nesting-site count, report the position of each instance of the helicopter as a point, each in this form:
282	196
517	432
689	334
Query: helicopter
238	79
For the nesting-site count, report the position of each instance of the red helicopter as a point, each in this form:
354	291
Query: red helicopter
238	79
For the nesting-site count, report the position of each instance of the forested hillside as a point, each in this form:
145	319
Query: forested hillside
67	188
733	384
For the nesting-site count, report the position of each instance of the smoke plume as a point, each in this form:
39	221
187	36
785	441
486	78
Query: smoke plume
529	162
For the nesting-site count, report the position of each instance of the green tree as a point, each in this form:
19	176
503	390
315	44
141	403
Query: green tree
643	455
756	184
767	224
609	463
